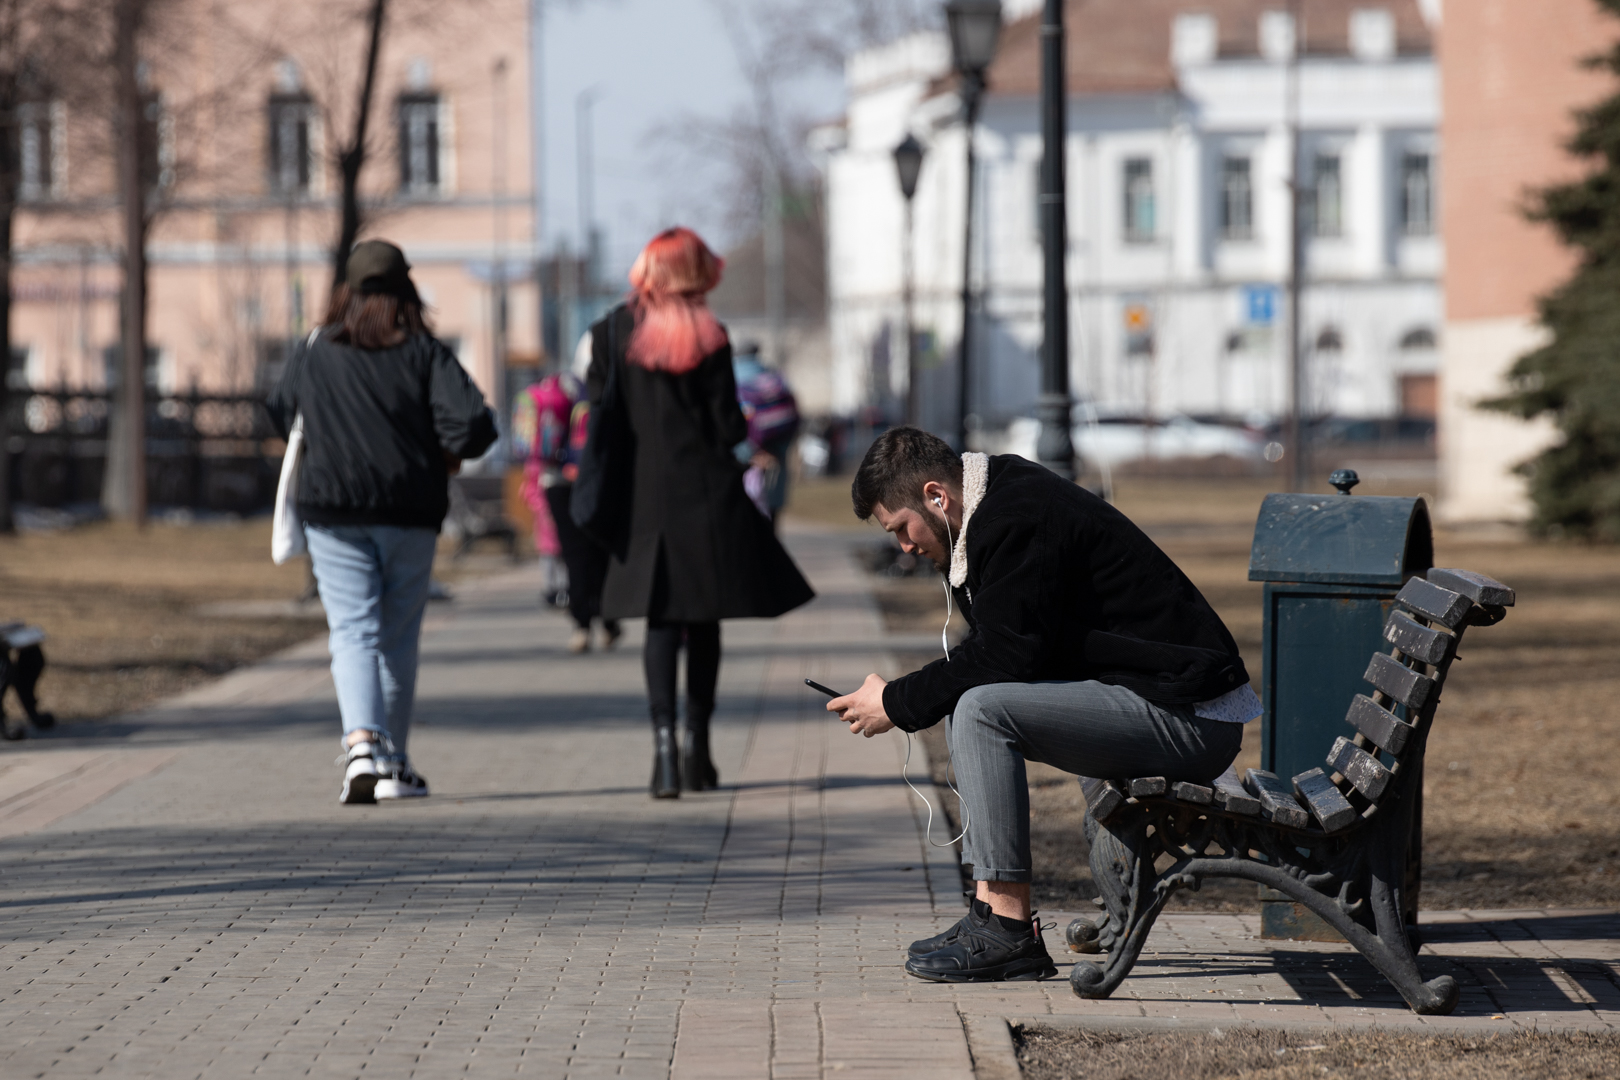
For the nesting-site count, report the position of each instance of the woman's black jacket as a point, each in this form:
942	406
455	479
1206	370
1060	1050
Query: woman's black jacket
698	549
1062	586
377	426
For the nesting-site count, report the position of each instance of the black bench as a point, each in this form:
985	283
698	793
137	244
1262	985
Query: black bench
1334	840
22	660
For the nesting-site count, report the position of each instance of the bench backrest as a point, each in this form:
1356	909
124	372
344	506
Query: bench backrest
1365	769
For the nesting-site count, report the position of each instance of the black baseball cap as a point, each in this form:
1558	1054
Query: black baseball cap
376	266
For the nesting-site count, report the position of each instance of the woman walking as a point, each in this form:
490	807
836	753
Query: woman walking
696	550
560	419
388	415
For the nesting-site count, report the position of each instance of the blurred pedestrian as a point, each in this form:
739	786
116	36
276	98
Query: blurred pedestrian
772	413
695	549
561	420
388	414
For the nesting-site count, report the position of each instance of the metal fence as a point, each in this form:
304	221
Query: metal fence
204	452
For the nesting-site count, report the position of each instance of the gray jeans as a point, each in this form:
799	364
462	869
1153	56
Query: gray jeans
1085	728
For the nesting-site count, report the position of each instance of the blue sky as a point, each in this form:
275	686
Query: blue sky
650	61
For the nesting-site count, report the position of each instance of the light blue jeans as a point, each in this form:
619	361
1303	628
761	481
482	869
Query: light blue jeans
374	586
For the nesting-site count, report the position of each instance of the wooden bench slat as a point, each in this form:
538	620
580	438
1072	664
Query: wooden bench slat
1276	799
1327	802
1103	797
1192	793
1419	642
1230	796
1477	587
1444	606
1143	787
1410	688
1363	770
1379	724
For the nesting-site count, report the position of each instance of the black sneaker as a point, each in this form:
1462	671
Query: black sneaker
978	913
987	952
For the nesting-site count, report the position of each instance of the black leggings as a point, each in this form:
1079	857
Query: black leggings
587	562
664	640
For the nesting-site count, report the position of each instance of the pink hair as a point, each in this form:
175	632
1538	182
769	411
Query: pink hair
675	329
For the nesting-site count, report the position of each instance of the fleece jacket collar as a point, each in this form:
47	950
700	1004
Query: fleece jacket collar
975	478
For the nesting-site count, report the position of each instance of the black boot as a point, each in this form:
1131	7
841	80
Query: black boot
697	769
666	773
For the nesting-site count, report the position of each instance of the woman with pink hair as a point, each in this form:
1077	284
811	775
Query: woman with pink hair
697	549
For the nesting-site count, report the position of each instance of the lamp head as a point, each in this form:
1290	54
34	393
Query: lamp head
908	157
975	27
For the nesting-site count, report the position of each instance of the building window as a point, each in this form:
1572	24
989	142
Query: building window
1419	339
1141	213
1417	194
37	152
157	144
292	144
1327	196
419	143
1237	197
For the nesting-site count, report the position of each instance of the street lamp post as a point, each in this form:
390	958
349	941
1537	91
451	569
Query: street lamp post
908	158
1056	446
1298	435
975	27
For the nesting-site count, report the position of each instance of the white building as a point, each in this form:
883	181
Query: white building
1177	208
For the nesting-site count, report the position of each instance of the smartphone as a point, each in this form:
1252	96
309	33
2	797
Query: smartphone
829	691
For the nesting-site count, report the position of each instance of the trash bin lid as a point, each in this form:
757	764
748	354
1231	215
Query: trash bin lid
1341	539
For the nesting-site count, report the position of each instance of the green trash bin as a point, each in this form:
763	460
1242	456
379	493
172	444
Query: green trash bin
1332	565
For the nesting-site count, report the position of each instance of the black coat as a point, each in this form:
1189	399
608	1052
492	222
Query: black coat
1062	586
698	548
377	425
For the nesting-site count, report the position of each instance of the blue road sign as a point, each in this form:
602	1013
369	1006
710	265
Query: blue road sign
1260	303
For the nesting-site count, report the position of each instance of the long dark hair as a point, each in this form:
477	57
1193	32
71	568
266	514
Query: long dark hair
373	320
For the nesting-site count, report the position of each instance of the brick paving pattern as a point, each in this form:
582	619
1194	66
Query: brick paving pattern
181	895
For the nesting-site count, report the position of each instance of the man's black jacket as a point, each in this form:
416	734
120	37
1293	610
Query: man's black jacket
1062	586
377	425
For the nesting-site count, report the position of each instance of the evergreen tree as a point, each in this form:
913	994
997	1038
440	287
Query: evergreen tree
1575	378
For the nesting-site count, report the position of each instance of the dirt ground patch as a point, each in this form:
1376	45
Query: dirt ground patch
120	608
1518	810
1048	1054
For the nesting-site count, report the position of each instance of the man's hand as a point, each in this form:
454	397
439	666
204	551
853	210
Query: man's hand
863	710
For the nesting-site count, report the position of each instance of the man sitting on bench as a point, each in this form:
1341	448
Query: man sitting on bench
1087	649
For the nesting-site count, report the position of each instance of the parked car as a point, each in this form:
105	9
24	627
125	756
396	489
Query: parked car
1113	440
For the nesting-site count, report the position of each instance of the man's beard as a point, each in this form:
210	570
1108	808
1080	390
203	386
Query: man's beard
937	526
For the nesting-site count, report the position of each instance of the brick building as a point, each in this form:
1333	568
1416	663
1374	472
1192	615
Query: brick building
250	102
1511	76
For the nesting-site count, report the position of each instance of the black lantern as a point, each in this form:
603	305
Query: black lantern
908	157
975	27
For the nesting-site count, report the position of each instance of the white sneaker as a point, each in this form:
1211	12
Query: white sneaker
403	783
359	775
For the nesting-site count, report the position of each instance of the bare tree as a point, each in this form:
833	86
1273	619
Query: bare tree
352	158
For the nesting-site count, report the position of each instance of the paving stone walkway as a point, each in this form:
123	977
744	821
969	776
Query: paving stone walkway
182	896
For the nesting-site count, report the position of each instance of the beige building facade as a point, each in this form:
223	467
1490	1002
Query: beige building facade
1512	75
251	103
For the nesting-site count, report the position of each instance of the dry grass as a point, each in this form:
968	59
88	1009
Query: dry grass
1520	810
119	606
1250	1054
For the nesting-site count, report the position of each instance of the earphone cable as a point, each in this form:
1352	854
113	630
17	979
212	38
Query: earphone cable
950	764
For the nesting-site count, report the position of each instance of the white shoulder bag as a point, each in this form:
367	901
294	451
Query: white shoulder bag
287	530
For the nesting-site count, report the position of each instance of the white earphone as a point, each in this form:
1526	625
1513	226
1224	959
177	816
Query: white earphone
945	644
